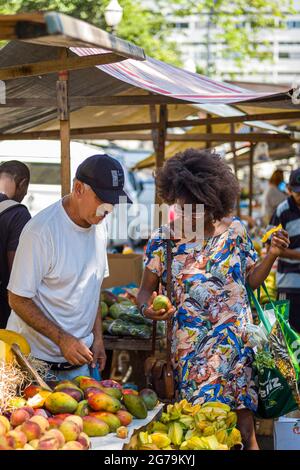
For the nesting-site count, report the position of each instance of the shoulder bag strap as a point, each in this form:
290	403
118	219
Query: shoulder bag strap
7	204
169	294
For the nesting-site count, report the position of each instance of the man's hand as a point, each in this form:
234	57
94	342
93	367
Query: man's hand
75	351
158	314
99	356
279	242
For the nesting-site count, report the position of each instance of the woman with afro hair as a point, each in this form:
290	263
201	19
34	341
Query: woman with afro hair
211	358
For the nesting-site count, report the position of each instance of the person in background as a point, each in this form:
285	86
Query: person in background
61	260
14	181
288	271
273	196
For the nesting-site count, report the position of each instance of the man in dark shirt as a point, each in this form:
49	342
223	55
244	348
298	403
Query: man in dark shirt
288	271
14	181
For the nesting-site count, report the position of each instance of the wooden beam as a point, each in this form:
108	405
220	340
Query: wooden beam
81	101
235	119
50	66
87	133
64	119
57	29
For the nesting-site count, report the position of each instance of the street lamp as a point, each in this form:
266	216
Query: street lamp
113	14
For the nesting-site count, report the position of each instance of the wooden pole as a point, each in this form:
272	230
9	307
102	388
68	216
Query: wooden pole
160	152
235	166
64	118
251	167
208	130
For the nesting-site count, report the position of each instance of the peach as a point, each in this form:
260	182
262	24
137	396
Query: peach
122	432
42	422
28	447
19	438
32	430
6	443
76	419
73	445
6	422
19	417
29	410
34	443
70	430
125	417
3	429
55	422
57	435
84	440
48	443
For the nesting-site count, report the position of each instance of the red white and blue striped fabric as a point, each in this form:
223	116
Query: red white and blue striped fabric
159	77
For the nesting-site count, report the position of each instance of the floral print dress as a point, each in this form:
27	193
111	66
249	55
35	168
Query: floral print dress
211	358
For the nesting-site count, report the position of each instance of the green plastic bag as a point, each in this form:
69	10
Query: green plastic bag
277	366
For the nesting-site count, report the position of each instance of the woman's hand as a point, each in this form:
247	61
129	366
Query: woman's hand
158	314
279	242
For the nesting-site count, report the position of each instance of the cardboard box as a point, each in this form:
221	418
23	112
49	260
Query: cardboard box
123	270
287	434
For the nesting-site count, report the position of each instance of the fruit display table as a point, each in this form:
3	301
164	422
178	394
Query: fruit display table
112	442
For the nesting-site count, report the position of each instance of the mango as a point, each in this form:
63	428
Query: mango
109	383
135	406
109	418
55	422
125	417
38	400
91	391
130	391
161	302
109	298
82	408
149	397
113	392
103	402
86	382
77	379
94	427
75	393
59	402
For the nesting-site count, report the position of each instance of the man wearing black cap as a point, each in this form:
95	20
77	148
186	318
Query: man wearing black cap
288	272
59	267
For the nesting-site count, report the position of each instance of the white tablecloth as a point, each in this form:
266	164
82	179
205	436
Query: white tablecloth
112	442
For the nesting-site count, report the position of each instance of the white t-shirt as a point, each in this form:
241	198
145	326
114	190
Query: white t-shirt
60	266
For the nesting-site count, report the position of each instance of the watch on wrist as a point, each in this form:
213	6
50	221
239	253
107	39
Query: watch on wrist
142	309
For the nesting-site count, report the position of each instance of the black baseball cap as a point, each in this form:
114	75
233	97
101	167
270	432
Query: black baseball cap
294	181
105	176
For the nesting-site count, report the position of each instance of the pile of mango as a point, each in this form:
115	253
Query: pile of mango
75	411
211	426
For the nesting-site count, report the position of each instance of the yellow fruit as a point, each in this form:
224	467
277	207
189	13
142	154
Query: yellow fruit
216	404
175	433
144	438
6	354
222	436
270	232
160	440
231	419
11	337
209	430
234	438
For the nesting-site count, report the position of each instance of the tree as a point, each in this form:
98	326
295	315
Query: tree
240	23
140	25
